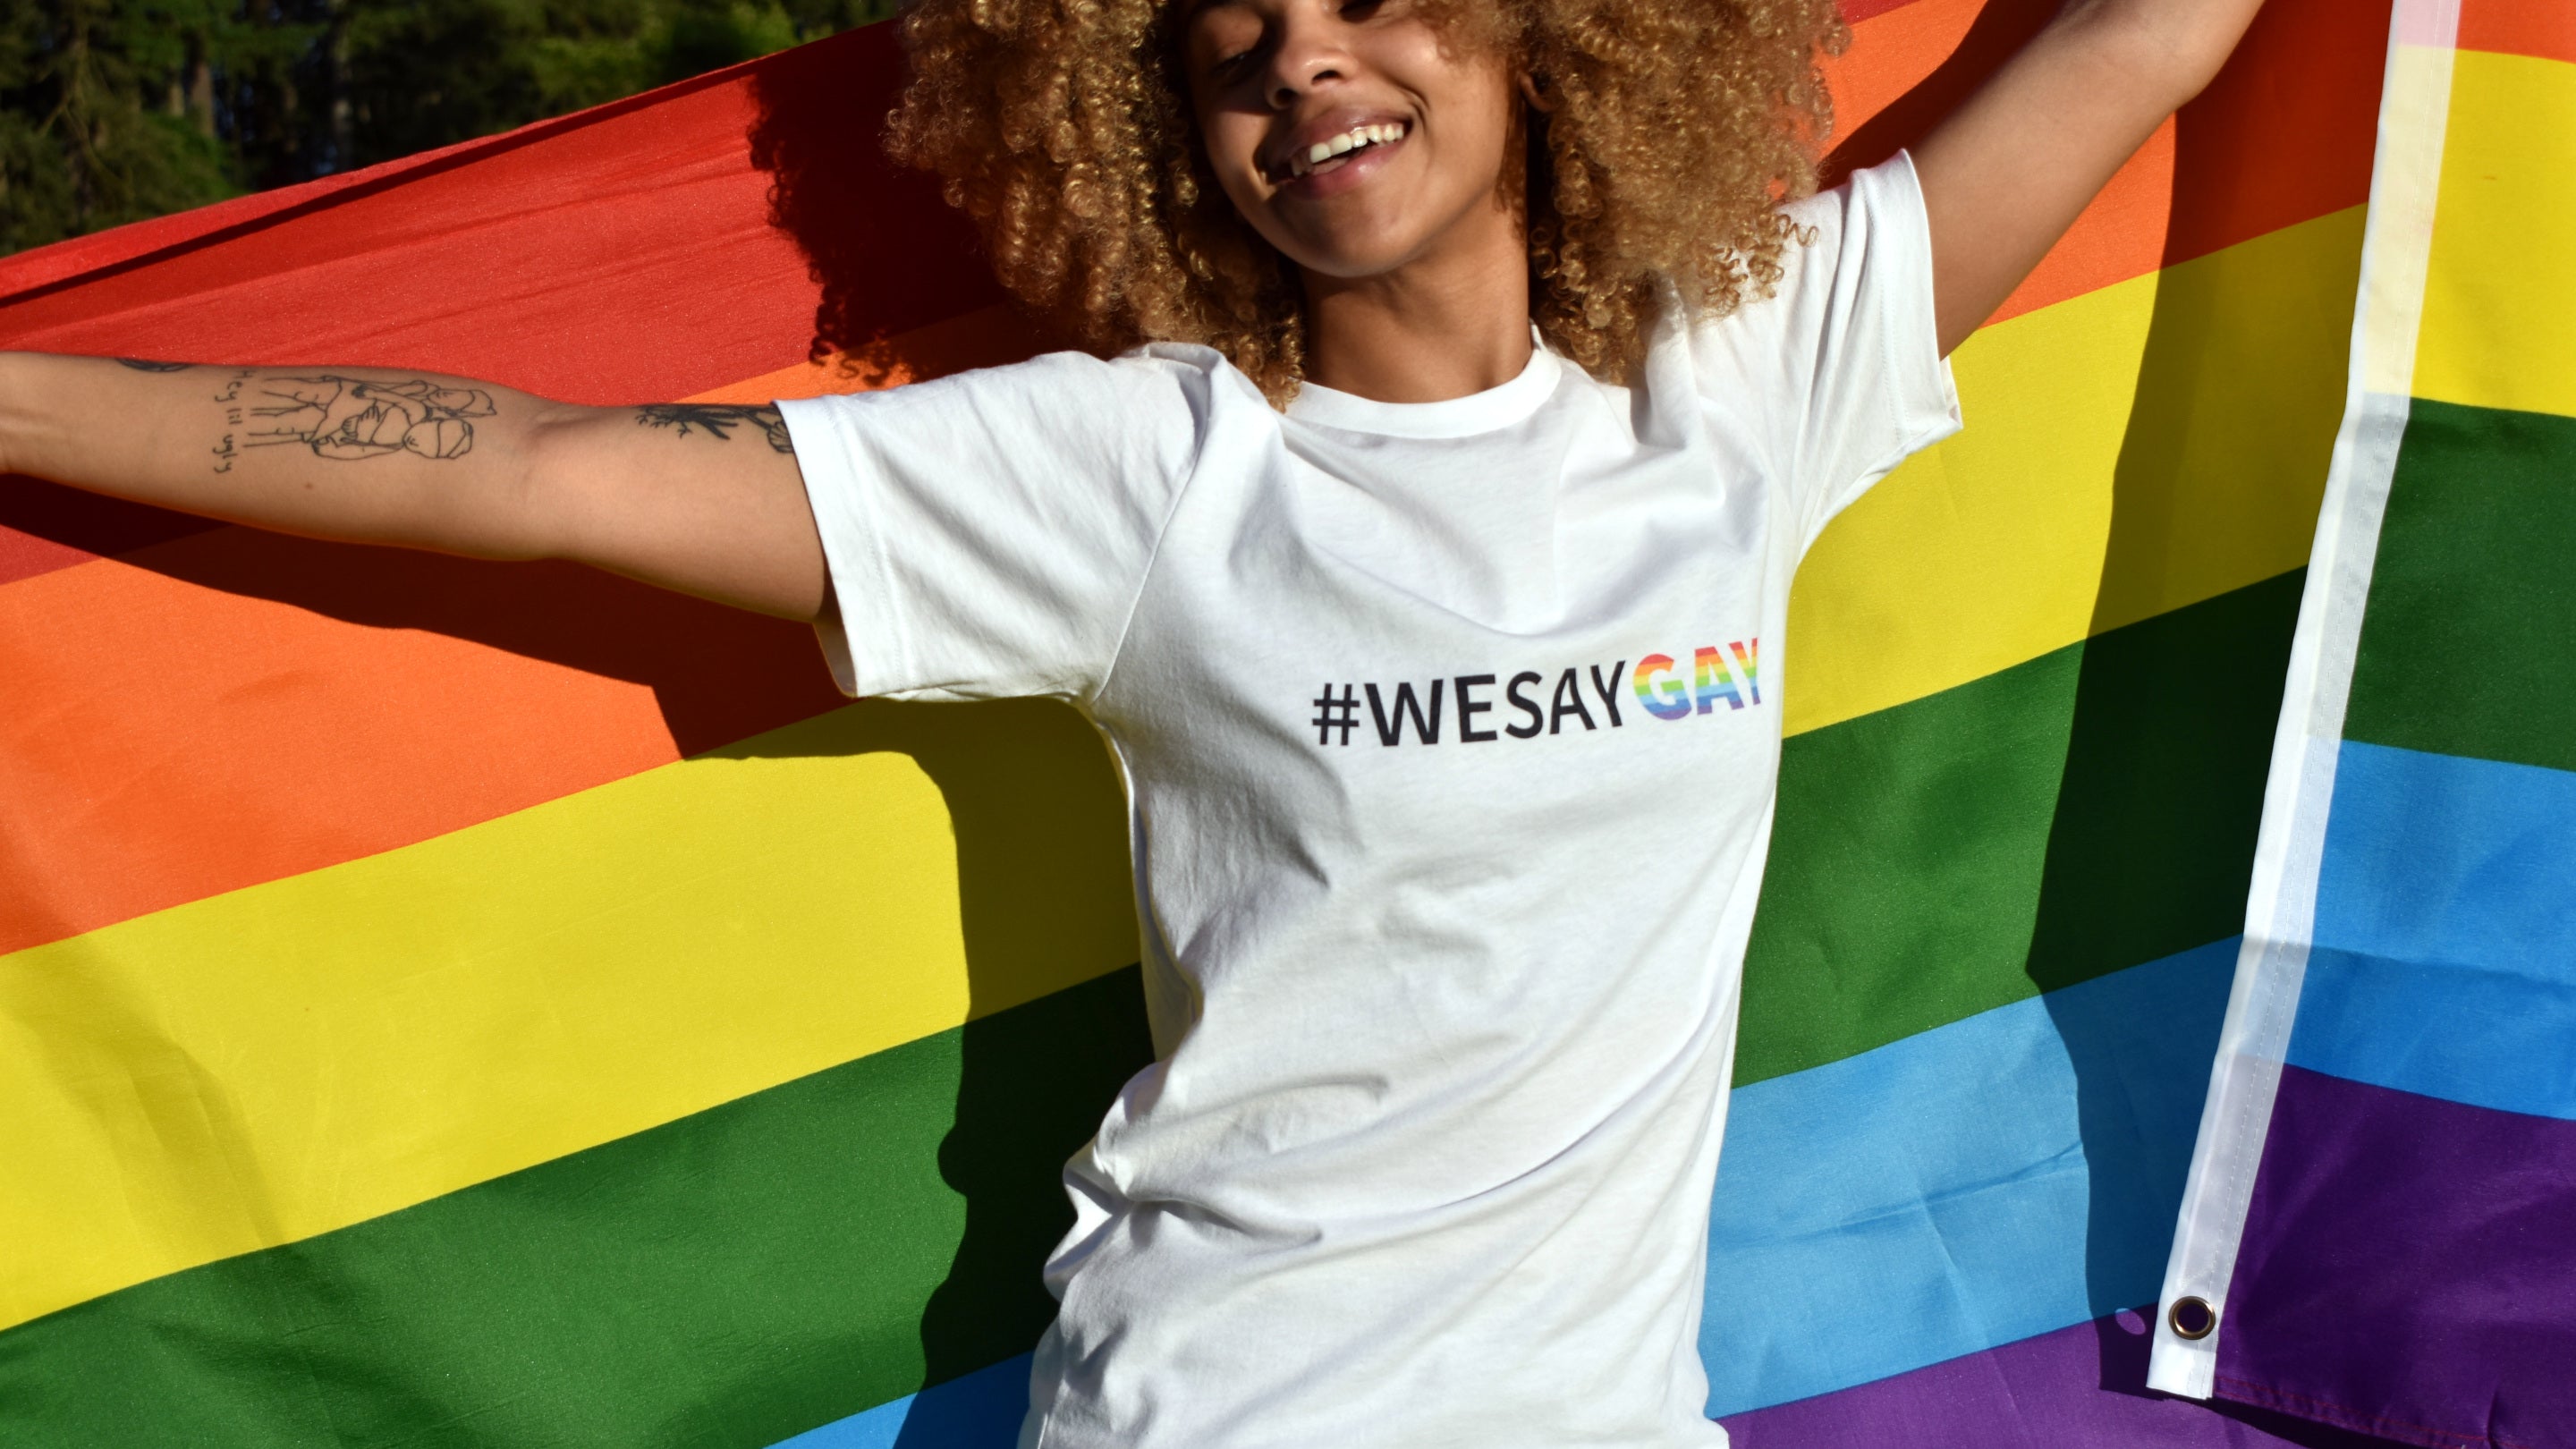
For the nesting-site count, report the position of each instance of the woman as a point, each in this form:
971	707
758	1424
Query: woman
1418	530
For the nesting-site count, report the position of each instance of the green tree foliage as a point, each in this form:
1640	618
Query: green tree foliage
116	110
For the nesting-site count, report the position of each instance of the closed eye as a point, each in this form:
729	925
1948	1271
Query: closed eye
1229	45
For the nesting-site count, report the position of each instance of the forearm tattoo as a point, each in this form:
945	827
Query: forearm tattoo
717	421
141	364
346	418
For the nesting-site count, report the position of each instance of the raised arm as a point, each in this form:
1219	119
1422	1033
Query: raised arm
702	498
2006	174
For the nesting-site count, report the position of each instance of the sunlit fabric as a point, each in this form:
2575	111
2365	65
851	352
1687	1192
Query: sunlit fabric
455	1002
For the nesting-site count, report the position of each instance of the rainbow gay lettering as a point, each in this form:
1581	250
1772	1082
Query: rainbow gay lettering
1667	695
1714	682
1663	698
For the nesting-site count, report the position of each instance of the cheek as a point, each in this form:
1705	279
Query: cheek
1219	135
1483	97
1471	99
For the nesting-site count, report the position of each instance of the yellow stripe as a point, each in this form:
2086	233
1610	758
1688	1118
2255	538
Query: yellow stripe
2500	299
265	1065
2129	451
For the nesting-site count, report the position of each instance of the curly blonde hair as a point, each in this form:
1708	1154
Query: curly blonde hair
1674	130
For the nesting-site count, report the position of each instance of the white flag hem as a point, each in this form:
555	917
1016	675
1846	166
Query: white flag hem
2281	909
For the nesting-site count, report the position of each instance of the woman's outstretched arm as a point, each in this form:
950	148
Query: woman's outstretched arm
702	498
2005	175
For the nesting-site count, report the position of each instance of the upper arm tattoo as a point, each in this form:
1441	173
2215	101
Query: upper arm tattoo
140	364
717	420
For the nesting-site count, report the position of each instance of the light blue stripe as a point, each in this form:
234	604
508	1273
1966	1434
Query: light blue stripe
1972	1186
981	1410
2446	931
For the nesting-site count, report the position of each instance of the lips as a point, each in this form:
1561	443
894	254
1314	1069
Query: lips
1331	152
1330	140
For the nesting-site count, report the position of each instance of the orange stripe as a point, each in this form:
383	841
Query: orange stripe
1891	53
238	706
2284	135
986	337
2542	28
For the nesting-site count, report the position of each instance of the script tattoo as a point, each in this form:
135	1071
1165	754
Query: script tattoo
717	420
143	364
346	418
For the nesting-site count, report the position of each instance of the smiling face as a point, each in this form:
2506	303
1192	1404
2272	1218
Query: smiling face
1106	231
1348	135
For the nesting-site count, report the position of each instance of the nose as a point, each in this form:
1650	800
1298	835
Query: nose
1309	56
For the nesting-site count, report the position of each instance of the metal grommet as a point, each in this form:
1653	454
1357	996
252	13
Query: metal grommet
2191	1318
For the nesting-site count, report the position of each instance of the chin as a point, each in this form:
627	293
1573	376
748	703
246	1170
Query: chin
1352	253
1353	266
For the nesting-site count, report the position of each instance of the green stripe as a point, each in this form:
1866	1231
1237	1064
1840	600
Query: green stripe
731	1278
2092	809
2473	597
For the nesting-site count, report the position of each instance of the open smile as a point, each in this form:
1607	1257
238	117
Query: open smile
1334	152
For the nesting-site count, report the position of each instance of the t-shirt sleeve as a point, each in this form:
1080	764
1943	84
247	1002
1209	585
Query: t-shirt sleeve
1839	373
988	533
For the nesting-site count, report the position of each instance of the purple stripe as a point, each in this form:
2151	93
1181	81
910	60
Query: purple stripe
2409	1268
2077	1388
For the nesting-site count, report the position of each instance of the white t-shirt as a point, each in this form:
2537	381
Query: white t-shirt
1450	733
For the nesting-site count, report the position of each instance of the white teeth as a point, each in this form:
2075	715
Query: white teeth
1343	144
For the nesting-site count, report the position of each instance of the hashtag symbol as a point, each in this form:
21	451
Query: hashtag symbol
1335	714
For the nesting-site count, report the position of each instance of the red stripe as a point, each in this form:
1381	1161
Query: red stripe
1856	11
41	268
2542	28
618	255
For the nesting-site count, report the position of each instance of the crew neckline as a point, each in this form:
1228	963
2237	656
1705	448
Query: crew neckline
1457	417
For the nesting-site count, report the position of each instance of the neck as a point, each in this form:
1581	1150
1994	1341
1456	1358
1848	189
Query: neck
1446	324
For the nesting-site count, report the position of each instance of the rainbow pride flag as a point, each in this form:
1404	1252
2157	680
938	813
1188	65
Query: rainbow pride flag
2380	1230
460	1003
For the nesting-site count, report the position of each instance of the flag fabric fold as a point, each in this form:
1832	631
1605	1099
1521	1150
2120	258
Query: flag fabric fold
2380	1227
